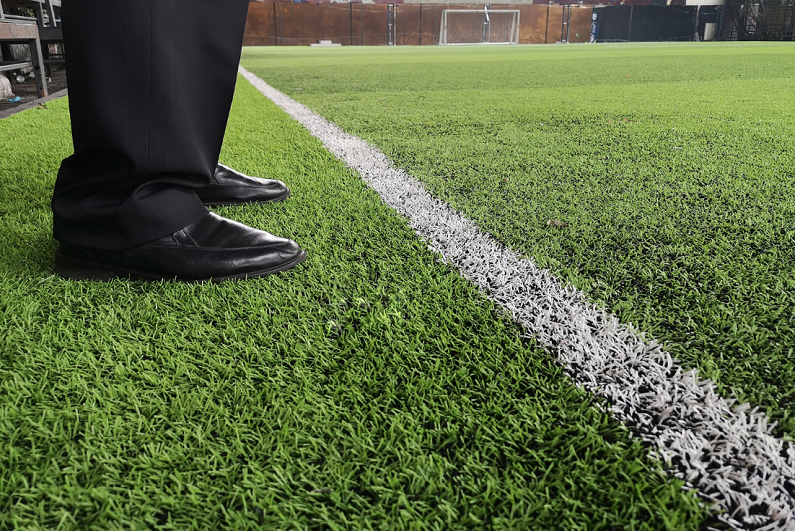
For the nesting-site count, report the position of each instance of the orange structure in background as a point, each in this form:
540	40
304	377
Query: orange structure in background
302	24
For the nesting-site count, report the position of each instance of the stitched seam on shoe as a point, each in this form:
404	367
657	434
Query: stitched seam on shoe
197	248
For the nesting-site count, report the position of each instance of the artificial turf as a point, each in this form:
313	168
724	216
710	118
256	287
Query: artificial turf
658	178
370	388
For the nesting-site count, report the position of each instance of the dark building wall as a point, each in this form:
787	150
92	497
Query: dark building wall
647	23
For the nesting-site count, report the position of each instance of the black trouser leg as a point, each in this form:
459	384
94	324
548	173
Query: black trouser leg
150	87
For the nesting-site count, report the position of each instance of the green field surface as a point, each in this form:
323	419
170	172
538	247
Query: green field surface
658	178
370	388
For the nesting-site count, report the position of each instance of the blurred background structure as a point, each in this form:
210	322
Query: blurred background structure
301	23
31	49
32	54
46	16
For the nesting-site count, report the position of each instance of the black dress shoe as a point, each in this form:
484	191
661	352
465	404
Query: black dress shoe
230	187
211	248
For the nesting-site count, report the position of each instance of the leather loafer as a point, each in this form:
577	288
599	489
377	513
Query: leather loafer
211	248
230	187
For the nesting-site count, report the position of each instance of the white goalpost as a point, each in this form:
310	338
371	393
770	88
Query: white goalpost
479	26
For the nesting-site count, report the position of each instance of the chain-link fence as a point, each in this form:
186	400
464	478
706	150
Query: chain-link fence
765	21
280	24
283	24
646	23
770	20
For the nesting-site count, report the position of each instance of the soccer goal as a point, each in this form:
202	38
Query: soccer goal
479	26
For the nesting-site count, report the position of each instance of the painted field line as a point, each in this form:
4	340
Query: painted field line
727	454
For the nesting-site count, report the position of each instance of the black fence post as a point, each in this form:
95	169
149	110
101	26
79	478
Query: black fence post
792	23
629	31
420	24
275	27
546	27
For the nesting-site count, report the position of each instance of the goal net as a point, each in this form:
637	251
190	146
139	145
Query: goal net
479	26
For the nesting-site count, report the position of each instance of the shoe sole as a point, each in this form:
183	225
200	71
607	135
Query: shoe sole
74	268
241	203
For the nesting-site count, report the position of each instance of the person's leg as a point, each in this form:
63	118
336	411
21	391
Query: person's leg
150	88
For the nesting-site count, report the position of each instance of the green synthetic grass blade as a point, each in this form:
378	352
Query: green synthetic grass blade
369	388
658	178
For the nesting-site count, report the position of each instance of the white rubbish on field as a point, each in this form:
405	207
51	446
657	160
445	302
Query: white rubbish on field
5	88
727	454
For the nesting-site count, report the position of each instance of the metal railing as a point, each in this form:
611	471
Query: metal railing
45	14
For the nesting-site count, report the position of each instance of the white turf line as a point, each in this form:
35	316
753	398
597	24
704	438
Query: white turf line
727	454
